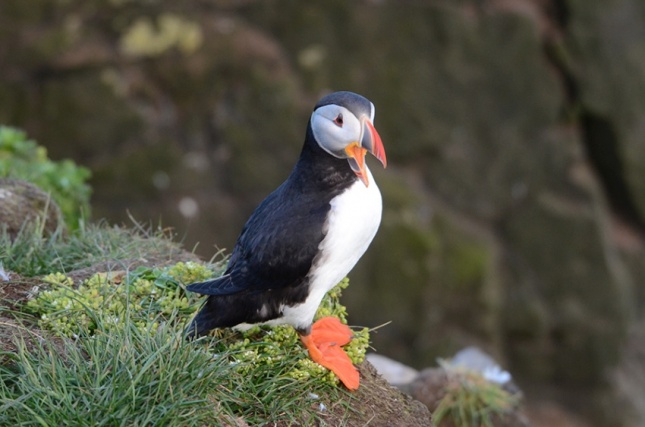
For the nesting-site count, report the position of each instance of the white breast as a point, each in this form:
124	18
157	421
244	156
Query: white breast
352	223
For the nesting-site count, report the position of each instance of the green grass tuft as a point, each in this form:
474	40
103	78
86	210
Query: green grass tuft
471	400
145	373
34	253
126	377
153	294
123	359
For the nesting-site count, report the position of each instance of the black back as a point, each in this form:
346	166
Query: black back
278	245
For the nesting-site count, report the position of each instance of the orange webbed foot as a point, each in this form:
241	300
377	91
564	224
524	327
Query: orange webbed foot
324	344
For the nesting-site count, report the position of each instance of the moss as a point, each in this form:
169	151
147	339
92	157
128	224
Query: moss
149	296
145	292
273	345
466	259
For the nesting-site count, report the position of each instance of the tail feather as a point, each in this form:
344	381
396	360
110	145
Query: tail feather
200	325
221	286
213	314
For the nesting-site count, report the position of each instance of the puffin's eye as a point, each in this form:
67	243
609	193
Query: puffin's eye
339	120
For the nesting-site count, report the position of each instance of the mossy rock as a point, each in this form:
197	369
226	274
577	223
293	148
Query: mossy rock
428	275
25	205
564	316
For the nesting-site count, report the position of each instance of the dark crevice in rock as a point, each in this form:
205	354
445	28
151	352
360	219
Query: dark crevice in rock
601	143
599	137
559	11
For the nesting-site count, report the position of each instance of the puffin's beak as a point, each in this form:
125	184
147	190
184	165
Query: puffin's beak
370	142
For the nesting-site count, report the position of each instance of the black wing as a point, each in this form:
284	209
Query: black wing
277	245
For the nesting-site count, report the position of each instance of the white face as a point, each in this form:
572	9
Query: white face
335	127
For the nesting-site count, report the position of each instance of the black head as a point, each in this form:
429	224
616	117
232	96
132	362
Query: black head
357	104
342	126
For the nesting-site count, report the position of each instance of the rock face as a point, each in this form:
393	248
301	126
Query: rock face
23	204
514	198
629	377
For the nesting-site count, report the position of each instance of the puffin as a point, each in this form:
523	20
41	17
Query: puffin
305	237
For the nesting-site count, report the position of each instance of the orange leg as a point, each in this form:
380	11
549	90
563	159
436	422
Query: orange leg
324	345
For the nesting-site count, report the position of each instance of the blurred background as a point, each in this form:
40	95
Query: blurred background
515	133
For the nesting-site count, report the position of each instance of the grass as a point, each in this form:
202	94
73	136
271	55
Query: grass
33	252
137	378
471	400
123	378
133	374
